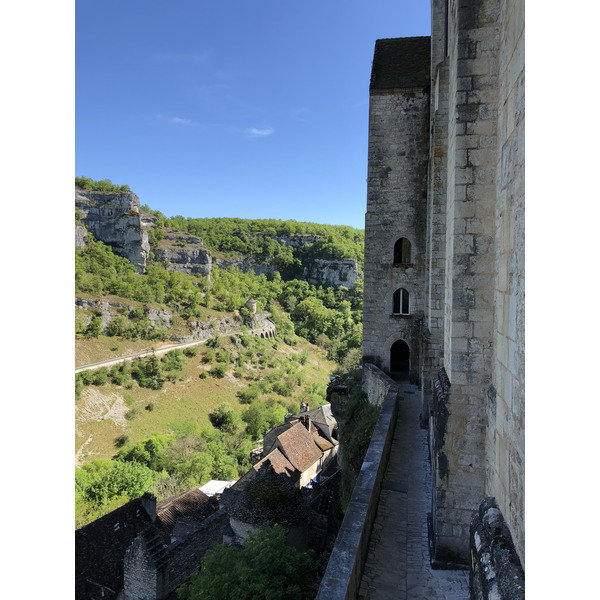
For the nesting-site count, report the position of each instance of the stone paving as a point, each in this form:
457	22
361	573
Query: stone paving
398	564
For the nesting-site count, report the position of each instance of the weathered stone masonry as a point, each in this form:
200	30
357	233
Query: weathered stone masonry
396	199
446	171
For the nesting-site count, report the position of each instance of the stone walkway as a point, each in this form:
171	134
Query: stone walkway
398	565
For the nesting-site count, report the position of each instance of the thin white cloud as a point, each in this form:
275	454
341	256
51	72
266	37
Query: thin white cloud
178	121
254	132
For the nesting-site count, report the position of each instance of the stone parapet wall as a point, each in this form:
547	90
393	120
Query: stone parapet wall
496	571
376	384
344	569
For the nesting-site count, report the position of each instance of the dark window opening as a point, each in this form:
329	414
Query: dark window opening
399	360
402	252
401	302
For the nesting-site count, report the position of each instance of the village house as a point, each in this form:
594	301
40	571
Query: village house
132	549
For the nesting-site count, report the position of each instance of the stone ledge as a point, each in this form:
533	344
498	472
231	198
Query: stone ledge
496	571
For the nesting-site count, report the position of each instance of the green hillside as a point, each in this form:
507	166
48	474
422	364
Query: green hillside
169	423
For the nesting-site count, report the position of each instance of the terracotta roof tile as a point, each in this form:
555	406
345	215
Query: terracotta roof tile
280	464
299	447
193	504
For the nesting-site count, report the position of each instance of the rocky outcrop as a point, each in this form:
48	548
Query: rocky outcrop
184	253
247	265
80	236
320	272
114	218
295	241
165	319
332	272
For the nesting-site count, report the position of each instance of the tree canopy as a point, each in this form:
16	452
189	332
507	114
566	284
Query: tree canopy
266	568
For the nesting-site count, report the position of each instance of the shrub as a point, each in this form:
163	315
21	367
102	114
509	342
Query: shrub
121	441
100	376
219	370
131	414
213	342
224	418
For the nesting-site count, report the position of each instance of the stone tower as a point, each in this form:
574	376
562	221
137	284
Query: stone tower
444	252
395	229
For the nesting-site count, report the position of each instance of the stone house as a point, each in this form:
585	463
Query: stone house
101	545
292	460
145	549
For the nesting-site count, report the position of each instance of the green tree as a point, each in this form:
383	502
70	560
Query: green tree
224	418
94	329
266	568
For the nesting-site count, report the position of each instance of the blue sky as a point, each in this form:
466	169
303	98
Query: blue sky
233	108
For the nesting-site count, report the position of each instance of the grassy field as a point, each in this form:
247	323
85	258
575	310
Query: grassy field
105	413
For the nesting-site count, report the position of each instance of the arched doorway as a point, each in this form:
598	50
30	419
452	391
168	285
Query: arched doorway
399	360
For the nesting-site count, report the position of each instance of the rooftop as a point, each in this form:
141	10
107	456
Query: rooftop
401	63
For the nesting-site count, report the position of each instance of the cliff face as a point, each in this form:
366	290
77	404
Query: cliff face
246	264
114	218
184	252
332	272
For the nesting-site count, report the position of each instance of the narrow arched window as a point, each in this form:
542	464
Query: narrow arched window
401	302
402	252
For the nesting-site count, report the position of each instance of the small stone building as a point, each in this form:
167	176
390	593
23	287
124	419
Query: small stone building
294	458
144	550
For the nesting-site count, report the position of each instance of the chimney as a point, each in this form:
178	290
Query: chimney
305	419
149	504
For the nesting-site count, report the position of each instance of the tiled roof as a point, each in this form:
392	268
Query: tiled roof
299	447
270	437
401	63
101	545
193	504
321	442
281	465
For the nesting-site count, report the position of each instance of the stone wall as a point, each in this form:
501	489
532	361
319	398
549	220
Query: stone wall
376	384
154	575
396	207
469	267
344	569
470	282
496	570
505	440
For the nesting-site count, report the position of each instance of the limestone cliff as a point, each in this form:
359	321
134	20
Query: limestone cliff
332	272
246	264
184	253
114	218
